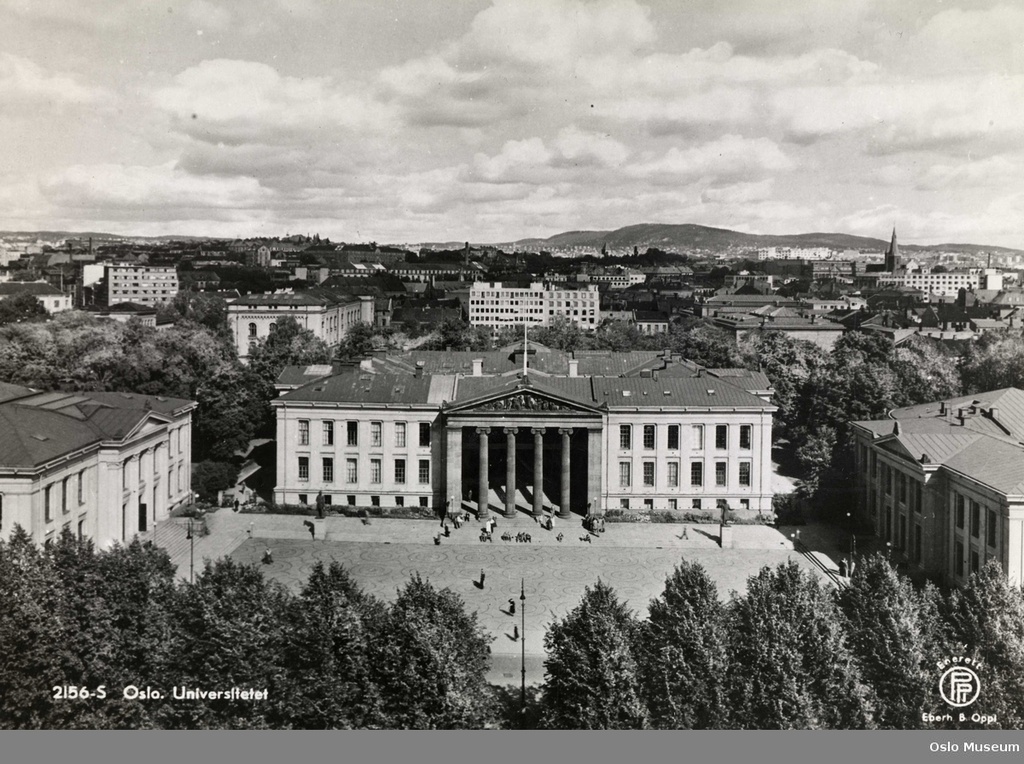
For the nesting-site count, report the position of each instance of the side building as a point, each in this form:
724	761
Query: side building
943	483
103	465
148	285
496	305
588	433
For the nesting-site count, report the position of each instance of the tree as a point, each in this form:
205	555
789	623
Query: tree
684	653
888	641
700	341
209	477
21	308
430	661
993	363
456	334
359	342
788	364
561	334
924	371
593	679
789	666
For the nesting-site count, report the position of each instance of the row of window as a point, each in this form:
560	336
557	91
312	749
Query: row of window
352	470
649	475
694	503
64	484
400	430
650	436
960	505
424	501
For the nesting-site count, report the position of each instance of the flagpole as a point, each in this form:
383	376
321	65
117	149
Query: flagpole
526	349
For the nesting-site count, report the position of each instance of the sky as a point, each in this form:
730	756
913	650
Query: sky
408	121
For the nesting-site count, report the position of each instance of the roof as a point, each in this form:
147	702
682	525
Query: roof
11	288
41	427
357	385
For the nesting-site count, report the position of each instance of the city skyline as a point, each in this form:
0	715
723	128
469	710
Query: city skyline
496	121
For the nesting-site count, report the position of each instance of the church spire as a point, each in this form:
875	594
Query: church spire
892	255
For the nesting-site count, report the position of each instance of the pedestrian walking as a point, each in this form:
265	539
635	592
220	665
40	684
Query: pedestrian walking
447	531
511	606
236	504
515	632
686	534
482	576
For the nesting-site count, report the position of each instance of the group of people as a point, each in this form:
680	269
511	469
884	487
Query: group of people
519	538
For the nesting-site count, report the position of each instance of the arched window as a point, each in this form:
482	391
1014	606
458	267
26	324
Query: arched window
273	328
252	330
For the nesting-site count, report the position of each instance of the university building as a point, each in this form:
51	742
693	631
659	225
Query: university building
571	433
103	465
943	483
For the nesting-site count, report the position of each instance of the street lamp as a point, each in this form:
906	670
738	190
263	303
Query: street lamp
191	552
888	550
522	646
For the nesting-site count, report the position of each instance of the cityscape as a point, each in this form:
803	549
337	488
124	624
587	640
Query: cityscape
485	446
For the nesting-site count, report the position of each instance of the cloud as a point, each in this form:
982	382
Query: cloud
25	83
730	158
208	15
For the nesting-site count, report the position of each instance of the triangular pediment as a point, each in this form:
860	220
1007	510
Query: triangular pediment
151	423
894	446
523	399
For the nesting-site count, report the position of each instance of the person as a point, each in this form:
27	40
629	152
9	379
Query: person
236	504
268	556
310	527
515	631
686	532
437	539
559	538
320	505
482	576
511	606
447	531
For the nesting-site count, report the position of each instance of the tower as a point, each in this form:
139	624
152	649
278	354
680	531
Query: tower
892	255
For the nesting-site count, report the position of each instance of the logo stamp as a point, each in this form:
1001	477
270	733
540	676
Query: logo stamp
959	686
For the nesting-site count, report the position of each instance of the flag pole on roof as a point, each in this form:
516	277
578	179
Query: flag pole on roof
526	349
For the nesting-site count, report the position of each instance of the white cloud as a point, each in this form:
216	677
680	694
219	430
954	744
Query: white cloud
731	157
23	83
207	15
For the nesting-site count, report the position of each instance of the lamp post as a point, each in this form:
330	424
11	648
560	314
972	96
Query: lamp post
191	552
522	688
888	550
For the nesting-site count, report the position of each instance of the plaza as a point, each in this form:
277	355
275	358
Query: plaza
633	558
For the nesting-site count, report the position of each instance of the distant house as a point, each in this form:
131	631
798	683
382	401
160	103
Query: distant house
51	298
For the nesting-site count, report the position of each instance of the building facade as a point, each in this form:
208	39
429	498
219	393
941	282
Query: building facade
943	484
327	314
50	297
106	466
394	432
495	305
140	284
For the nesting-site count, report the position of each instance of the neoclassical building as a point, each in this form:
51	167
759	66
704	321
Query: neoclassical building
943	483
561	432
103	465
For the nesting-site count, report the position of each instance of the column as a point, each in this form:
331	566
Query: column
453	468
538	470
484	487
566	433
510	472
595	471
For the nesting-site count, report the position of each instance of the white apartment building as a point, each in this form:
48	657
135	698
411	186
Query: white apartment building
51	298
946	284
492	304
140	284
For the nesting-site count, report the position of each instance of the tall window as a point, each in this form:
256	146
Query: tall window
351	470
303	432
698	437
303	468
959	561
975	519
990	528
649	436
649	473
424	471
673	474
917	543
64	495
81	488
901	482
959	503
376	439
48	509
625	474
917	496
745	473
375	470
252	330
745	430
625	436
721	473
328	433
673	436
424	434
399	434
328	467
352	433
400	471
697	474
721	436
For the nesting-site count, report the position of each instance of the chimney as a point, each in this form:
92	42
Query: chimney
993	413
574	367
961	414
478	367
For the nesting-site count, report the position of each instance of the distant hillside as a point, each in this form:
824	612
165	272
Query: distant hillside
689	237
96	236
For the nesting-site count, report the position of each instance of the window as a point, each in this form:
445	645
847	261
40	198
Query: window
252	330
901	481
648	503
624	503
649	435
351	470
64	496
903	532
974	561
745	473
695	504
399	471
328	501
886	481
375	470
917	543
46	504
721	473
424	434
744	503
917	497
874	464
959	511
303	498
745	430
350	500
990	528
696	474
328	470
303	468
303	432
399	434
399	501
698	437
625	436
649	473
975	519
424	501
721	436
375	501
625	476
673	474
375	434
124	474
673	504
328	433
424	471
352	433
673	436
81	486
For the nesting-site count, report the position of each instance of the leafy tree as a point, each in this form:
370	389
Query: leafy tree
593	679
21	308
924	371
700	341
359	342
788	364
993	363
455	334
684	653
430	660
789	665
561	334
209	477
888	641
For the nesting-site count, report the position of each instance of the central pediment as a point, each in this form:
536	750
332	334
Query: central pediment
522	399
